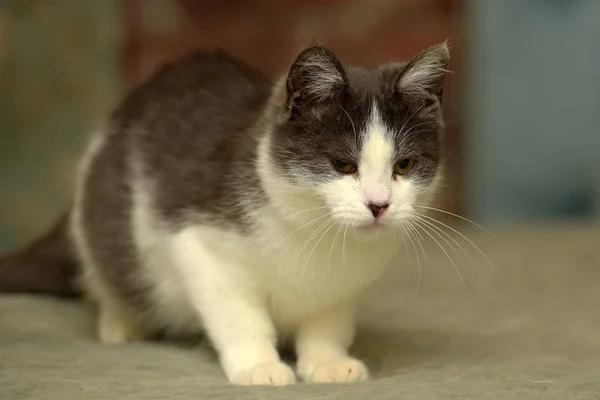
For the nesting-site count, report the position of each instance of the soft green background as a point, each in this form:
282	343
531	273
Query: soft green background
58	79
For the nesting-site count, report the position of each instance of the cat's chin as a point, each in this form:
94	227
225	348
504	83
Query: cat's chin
370	228
371	231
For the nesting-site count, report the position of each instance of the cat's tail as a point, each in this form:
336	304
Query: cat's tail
46	266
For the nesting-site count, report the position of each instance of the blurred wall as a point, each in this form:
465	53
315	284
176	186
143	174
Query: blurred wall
58	76
534	108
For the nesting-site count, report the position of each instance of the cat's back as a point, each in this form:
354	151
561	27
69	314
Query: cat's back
191	124
196	85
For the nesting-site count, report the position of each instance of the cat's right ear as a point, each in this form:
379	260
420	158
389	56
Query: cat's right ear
424	75
316	79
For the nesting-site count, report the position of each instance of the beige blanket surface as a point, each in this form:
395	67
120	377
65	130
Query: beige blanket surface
530	331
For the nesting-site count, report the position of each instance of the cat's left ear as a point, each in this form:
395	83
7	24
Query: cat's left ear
424	75
315	80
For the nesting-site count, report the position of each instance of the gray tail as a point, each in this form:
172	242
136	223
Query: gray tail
46	266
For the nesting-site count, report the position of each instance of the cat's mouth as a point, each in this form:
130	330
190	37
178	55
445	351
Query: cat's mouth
371	227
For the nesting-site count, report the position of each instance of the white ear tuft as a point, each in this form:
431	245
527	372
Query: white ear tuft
425	73
315	77
322	78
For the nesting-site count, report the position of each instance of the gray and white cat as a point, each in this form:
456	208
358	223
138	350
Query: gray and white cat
215	200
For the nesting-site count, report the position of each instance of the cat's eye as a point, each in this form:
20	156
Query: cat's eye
404	166
344	167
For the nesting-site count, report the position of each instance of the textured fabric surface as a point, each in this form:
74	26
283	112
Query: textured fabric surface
533	333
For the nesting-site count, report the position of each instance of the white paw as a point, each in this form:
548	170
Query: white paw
112	331
271	374
341	370
108	335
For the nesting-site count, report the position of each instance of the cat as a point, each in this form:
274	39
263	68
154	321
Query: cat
257	212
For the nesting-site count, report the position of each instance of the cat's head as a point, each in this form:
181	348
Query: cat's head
361	144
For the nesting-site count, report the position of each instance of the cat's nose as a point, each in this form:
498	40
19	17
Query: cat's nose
378	209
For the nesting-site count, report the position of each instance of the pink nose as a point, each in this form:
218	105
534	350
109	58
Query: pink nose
377	209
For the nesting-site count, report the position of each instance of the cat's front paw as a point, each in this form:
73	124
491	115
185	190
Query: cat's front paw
341	370
271	374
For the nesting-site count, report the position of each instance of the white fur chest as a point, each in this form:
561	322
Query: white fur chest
308	271
295	277
296	272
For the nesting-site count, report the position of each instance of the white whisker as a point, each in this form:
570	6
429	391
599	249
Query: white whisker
449	258
286	217
418	260
313	235
457	216
344	247
420	217
296	230
332	246
315	246
435	229
468	240
419	241
404	242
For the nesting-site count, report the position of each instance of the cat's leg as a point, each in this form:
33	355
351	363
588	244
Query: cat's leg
234	315
114	324
322	343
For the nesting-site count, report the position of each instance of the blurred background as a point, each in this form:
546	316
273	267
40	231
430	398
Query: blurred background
522	103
